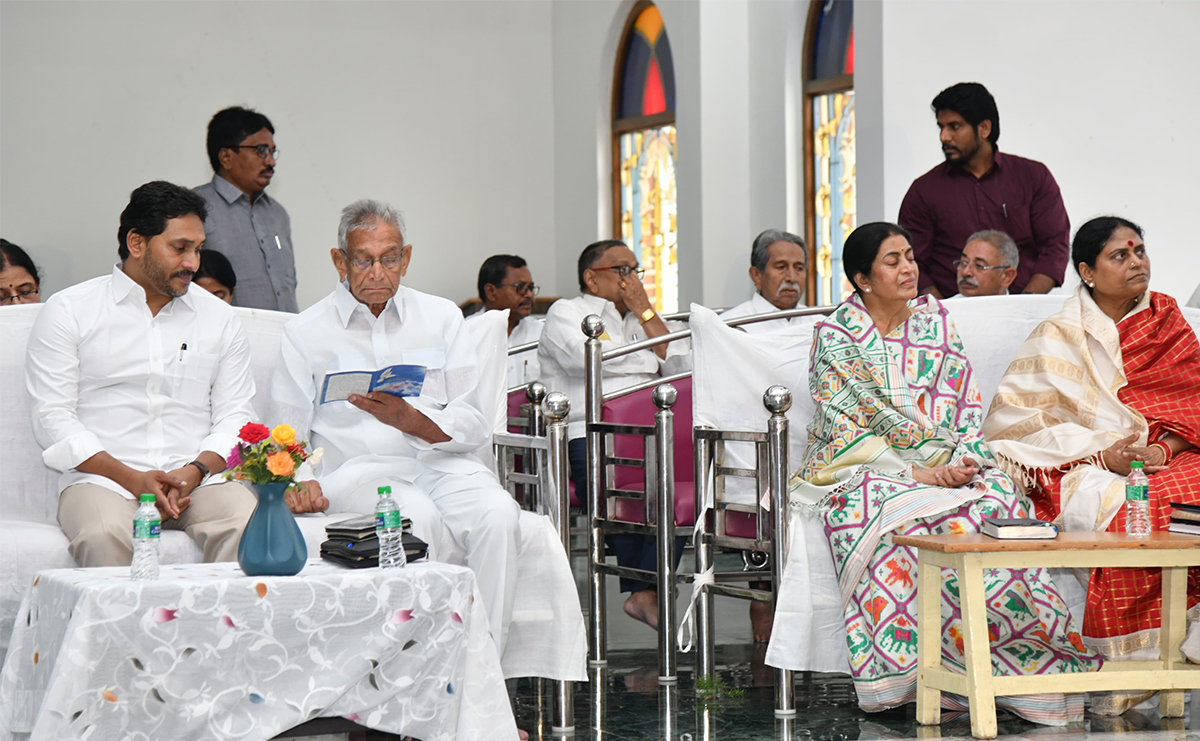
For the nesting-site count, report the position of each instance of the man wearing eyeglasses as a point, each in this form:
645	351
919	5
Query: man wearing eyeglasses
246	225
612	289
506	283
422	446
988	264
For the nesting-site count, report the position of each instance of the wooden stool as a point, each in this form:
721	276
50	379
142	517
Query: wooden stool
972	554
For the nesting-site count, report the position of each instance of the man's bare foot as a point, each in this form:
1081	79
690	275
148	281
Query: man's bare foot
762	618
643	606
523	734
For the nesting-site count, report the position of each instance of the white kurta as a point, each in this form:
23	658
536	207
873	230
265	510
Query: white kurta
560	353
757	305
433	483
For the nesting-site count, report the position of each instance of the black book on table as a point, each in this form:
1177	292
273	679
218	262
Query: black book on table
1018	528
358	528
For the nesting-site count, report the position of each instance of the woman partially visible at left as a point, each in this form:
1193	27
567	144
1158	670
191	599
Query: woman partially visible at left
895	448
18	276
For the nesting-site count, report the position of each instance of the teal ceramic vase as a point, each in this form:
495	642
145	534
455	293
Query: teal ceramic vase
272	544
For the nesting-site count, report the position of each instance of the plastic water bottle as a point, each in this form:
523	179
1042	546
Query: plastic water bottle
387	529
147	525
1137	502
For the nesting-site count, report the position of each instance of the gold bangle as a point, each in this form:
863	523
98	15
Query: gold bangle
646	316
1166	449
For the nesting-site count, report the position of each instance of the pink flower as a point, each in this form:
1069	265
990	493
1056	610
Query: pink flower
164	615
235	458
402	616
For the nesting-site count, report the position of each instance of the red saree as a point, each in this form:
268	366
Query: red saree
1161	361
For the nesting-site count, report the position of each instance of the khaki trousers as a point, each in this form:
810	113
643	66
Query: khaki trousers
99	522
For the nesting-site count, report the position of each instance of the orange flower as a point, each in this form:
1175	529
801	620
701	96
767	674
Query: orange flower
281	464
283	435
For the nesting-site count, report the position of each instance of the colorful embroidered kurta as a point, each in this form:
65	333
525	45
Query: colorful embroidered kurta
884	403
1146	380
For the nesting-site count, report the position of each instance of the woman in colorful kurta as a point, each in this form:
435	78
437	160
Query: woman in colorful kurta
1112	378
894	448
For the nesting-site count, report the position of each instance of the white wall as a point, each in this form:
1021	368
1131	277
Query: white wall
1104	93
443	109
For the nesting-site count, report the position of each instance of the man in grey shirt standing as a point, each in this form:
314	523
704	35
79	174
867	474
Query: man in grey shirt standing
244	223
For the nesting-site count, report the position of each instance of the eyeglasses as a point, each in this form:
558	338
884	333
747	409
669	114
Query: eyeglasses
961	264
624	270
363	264
24	297
260	149
523	288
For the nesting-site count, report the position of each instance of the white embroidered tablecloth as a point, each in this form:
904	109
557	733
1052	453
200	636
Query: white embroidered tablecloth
206	652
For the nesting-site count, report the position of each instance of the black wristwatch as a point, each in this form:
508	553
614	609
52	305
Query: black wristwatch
204	470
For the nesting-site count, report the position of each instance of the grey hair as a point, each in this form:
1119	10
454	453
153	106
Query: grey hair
762	245
365	215
1002	242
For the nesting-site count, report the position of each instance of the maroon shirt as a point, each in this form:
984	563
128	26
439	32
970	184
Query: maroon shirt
1017	196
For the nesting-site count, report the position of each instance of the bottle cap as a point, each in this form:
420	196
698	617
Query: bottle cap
385	490
147	498
1137	464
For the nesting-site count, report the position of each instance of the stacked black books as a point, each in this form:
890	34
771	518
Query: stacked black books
353	543
1185	518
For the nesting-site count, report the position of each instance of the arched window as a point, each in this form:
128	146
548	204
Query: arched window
644	151
830	193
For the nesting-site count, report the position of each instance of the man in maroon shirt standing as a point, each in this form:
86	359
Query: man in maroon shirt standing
977	188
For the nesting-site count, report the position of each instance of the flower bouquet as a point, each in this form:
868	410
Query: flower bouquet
266	460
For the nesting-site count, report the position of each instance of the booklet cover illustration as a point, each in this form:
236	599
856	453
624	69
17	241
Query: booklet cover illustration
397	380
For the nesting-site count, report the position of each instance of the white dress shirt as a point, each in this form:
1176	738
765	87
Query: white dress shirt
560	353
523	366
757	305
151	390
339	333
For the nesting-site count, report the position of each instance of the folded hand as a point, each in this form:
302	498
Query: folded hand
305	496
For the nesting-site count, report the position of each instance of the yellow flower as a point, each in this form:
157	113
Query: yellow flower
283	435
281	463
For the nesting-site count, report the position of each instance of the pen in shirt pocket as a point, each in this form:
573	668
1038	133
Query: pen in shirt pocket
181	349
1002	205
279	246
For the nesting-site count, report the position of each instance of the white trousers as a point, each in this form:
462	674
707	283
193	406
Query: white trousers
459	514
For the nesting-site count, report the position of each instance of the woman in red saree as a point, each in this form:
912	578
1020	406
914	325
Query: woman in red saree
1111	379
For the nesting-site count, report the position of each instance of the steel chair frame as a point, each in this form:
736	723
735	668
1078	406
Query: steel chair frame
544	478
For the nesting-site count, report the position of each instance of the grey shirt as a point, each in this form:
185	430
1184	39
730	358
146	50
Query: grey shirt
257	239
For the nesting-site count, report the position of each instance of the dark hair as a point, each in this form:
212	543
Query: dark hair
230	127
862	247
13	256
760	251
592	253
1089	241
493	270
216	266
973	102
150	208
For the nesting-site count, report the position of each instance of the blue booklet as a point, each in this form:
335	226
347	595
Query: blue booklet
397	380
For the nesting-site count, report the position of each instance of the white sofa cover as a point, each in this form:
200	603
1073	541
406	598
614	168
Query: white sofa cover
546	638
730	371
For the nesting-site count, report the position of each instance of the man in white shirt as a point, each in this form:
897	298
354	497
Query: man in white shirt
779	269
141	385
420	446
506	283
612	289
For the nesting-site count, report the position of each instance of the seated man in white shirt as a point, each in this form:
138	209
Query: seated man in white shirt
140	384
506	283
612	289
779	269
988	264
420	446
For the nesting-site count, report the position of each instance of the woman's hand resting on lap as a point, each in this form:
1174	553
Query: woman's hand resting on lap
1120	454
948	476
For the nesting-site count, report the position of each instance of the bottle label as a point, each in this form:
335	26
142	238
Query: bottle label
1137	493
387	520
147	528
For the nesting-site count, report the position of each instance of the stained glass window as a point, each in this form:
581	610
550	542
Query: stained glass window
830	147
644	152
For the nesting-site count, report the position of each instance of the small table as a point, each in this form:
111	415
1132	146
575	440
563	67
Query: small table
971	554
206	652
